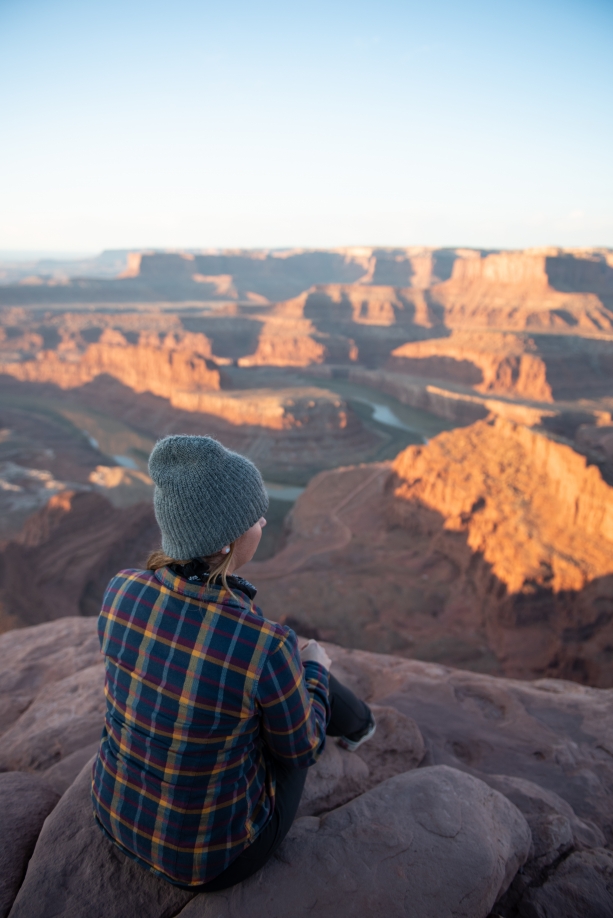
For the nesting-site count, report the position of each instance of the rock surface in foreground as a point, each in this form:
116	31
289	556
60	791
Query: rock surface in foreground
543	745
582	887
33	659
76	872
431	842
339	776
64	718
25	802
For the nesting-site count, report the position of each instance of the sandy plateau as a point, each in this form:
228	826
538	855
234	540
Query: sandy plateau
435	426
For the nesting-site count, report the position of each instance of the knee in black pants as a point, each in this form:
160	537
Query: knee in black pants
349	714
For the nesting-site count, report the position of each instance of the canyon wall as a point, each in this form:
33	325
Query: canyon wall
540	368
490	548
255	276
151	365
274	275
487	302
322	412
533	508
571	271
496	362
535	324
535	289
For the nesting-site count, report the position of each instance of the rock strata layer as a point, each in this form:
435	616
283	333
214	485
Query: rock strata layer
162	368
536	368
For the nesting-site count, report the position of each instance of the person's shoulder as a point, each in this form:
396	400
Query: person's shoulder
275	631
132	574
121	583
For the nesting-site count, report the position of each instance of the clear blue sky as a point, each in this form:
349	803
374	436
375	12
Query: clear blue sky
320	123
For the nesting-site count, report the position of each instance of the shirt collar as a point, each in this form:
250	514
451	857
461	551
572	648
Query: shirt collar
203	591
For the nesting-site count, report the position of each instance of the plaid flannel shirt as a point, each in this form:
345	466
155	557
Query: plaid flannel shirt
201	691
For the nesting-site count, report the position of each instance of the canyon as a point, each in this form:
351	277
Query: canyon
490	547
435	431
448	411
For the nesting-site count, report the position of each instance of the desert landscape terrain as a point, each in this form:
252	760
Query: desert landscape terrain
434	426
435	430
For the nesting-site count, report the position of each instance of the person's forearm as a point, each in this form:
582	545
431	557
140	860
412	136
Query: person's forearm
295	708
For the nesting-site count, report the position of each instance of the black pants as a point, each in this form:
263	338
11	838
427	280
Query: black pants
348	715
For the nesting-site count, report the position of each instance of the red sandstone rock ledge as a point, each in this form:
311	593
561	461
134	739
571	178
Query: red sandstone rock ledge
468	777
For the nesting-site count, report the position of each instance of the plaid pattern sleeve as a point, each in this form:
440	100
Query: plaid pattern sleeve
198	684
293	724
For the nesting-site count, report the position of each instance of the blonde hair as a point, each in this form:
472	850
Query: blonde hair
159	559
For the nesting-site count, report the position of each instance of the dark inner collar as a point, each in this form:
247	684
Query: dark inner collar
197	571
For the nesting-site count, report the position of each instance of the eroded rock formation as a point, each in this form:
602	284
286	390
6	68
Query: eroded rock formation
546	289
533	508
552	292
495	362
461	334
320	411
538	368
161	367
534	325
490	547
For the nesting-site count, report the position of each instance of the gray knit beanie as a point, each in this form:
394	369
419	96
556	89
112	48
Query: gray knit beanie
205	495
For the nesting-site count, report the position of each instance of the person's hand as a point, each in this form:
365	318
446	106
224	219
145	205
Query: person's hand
311	651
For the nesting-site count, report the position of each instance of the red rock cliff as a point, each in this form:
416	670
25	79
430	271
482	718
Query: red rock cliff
160	367
534	508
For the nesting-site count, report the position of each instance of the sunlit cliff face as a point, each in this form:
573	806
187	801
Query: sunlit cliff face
532	507
489	548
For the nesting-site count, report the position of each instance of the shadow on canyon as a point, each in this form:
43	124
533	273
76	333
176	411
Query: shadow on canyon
414	589
405	584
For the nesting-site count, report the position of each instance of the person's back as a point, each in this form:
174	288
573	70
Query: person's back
213	712
181	779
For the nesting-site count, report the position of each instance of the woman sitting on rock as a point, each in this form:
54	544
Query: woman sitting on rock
213	713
